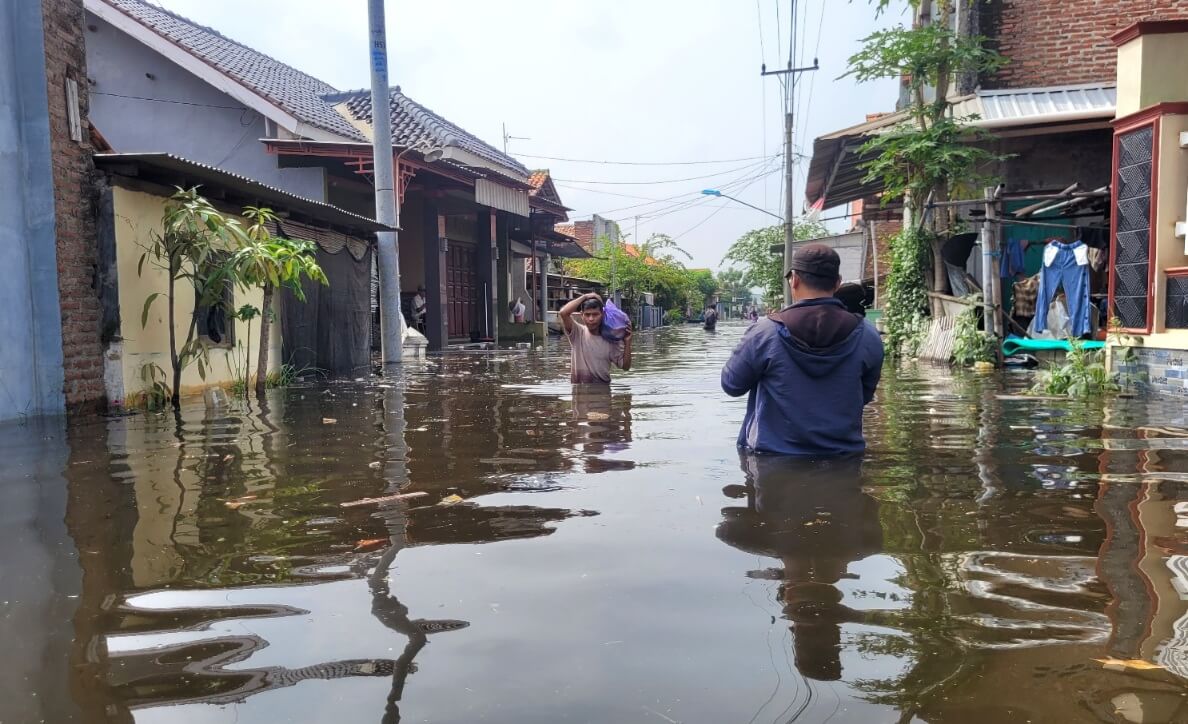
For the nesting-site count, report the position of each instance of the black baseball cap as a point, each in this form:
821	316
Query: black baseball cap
816	259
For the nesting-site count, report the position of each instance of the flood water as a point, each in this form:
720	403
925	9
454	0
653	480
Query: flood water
612	559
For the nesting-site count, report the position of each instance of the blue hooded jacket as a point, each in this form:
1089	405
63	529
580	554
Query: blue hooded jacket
808	372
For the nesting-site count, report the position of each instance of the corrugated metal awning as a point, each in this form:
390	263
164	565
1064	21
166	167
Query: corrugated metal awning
168	171
487	193
836	171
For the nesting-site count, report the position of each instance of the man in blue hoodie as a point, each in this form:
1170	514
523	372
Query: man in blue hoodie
807	370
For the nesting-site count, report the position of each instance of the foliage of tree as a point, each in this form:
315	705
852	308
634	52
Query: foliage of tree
731	286
650	267
760	266
932	155
268	261
189	249
213	252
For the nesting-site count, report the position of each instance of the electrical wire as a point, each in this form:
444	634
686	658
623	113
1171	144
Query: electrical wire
696	196
712	214
166	100
613	193
645	163
816	54
699	199
742	185
689	199
658	181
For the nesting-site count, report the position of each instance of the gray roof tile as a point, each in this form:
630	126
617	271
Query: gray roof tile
304	96
413	123
296	92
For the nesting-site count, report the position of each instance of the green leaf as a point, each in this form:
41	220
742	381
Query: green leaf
144	312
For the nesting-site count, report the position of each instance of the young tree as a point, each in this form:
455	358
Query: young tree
760	266
932	155
267	261
189	249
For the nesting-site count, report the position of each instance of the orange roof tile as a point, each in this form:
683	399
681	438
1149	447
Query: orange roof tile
537	178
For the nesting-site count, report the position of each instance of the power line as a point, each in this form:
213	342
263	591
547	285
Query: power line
644	163
166	100
762	85
658	181
712	215
817	53
679	205
699	198
612	193
736	186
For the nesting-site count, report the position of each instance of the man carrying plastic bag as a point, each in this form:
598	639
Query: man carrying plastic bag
601	338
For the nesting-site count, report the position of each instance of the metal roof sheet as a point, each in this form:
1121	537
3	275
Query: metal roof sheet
1038	105
169	170
836	170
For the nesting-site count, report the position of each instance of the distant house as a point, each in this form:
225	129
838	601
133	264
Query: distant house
329	331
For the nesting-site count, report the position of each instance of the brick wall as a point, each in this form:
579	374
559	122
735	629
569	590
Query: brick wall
1057	42
885	228
65	55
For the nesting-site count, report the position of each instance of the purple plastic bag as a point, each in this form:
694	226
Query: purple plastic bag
614	322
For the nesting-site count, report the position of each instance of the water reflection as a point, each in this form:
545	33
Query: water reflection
813	517
204	568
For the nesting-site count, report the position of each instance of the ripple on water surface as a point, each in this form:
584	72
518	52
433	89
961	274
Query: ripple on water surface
536	552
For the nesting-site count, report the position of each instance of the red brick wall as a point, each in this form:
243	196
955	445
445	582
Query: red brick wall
1058	42
65	55
885	229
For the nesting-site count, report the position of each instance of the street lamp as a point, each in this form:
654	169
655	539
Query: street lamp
719	194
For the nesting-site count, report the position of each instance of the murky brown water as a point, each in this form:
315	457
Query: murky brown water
613	559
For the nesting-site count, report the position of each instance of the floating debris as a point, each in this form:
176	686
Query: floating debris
383	499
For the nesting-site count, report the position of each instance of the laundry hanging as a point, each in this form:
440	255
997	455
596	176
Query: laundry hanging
1013	263
1066	266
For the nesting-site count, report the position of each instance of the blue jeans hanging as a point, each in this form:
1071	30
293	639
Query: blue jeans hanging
1067	267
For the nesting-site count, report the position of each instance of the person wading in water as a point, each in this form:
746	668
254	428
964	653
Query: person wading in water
807	370
591	354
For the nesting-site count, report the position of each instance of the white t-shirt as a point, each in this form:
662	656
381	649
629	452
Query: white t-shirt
591	356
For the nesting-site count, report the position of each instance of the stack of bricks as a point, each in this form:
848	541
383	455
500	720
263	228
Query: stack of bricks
1055	42
73	168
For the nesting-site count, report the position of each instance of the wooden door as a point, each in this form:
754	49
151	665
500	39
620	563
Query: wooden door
461	290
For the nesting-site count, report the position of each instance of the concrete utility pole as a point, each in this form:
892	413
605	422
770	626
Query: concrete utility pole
391	318
789	194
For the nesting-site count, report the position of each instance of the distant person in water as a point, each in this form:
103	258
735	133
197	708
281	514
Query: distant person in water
711	318
590	353
807	370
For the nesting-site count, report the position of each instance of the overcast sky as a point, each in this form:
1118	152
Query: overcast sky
610	80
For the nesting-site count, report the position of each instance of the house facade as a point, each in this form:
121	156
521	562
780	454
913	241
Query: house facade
163	83
1149	279
324	333
1049	112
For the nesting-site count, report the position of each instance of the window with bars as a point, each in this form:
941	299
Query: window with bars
1132	265
1176	314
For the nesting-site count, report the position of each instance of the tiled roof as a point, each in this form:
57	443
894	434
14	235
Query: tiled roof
536	179
413	123
566	229
296	92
